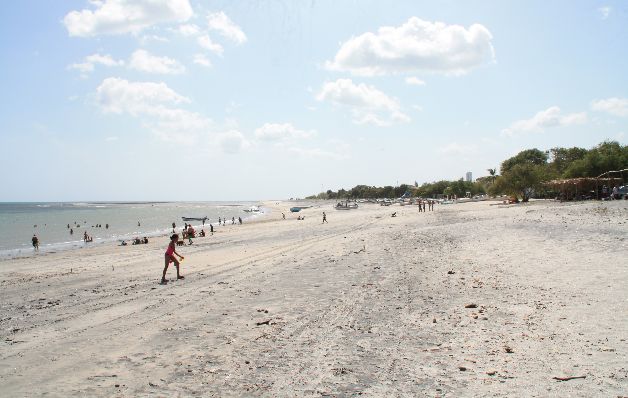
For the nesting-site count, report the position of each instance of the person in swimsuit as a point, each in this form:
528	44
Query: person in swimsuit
169	258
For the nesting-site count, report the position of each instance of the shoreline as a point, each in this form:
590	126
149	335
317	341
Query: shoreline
26	251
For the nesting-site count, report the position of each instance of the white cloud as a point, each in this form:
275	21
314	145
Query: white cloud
148	38
89	63
157	107
415	46
115	95
201	59
207	43
614	106
604	11
144	61
458	149
551	117
414	81
220	22
368	104
189	30
232	141
280	131
125	16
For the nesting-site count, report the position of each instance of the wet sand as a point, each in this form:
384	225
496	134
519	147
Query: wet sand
469	300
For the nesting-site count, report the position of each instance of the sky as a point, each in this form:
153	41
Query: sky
251	100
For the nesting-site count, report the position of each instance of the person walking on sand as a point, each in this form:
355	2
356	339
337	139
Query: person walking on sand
325	218
211	228
169	258
35	241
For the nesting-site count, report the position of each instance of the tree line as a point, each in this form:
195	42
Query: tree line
522	175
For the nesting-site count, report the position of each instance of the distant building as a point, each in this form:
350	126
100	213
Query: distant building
469	176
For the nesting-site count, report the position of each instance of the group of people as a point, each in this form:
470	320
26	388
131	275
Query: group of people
430	205
223	220
612	195
138	241
77	225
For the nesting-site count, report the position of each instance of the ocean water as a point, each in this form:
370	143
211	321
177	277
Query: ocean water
19	221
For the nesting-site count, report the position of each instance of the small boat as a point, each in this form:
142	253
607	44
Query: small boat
297	209
203	219
252	209
346	206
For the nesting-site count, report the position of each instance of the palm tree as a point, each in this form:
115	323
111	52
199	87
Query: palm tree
493	173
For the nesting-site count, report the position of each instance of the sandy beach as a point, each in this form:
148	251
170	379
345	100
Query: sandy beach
471	299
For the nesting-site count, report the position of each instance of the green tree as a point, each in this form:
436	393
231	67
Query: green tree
563	158
607	156
529	156
521	180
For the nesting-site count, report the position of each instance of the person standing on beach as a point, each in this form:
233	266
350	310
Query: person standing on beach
240	220
35	241
173	227
325	218
169	258
283	215
211	228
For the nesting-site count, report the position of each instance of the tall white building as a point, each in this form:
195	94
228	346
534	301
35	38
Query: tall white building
469	176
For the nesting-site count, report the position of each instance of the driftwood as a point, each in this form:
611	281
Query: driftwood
569	378
263	322
363	249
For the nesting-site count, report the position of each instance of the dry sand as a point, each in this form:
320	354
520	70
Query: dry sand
365	305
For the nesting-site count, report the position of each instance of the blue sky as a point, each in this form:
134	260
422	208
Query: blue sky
223	100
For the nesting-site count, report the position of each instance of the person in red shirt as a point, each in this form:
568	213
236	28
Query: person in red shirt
170	258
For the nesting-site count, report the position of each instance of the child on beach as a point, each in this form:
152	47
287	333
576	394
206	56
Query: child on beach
169	258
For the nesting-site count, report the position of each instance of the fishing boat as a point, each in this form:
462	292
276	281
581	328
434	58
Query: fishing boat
346	206
297	209
203	219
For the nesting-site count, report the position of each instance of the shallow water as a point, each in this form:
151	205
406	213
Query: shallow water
19	221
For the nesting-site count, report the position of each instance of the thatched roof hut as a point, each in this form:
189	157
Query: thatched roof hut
571	188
